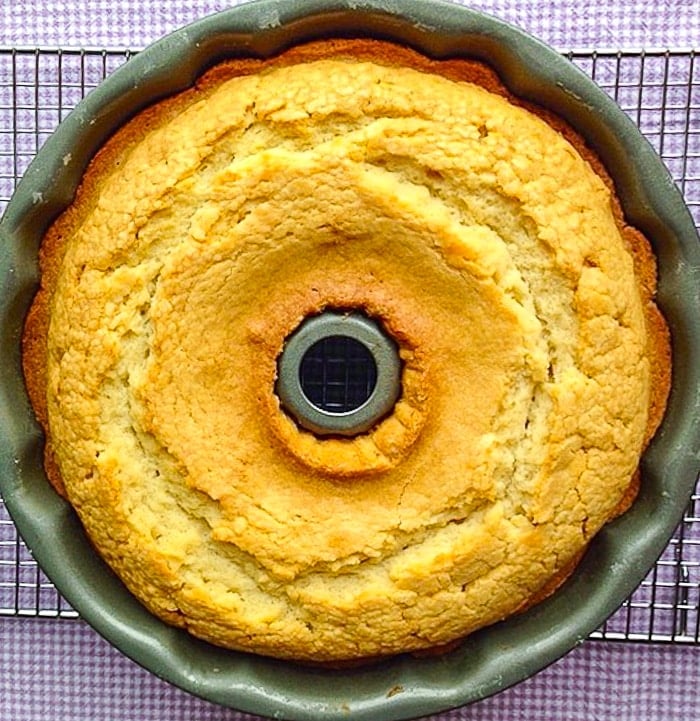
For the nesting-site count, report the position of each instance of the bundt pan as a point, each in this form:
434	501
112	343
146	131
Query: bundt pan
492	659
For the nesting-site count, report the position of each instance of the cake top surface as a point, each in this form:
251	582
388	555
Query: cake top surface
489	246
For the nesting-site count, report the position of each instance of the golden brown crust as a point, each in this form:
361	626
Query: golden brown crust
34	339
270	335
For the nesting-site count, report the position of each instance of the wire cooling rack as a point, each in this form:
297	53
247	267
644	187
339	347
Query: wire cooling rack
659	90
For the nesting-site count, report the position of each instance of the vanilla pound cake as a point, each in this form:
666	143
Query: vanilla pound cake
487	241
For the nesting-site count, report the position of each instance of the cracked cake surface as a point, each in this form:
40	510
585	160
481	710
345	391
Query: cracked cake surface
488	241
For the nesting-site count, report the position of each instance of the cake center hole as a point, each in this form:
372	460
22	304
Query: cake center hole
338	374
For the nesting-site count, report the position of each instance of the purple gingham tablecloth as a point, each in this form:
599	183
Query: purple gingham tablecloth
53	670
565	24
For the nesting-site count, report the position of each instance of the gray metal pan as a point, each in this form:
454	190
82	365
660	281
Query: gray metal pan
496	657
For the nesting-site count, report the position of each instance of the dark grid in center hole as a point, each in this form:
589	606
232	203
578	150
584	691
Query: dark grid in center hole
338	374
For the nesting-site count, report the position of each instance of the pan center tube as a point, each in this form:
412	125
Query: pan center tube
339	373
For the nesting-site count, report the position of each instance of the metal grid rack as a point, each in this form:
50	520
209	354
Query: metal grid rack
659	90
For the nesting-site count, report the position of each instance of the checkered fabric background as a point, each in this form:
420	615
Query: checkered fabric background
60	670
88	681
565	24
